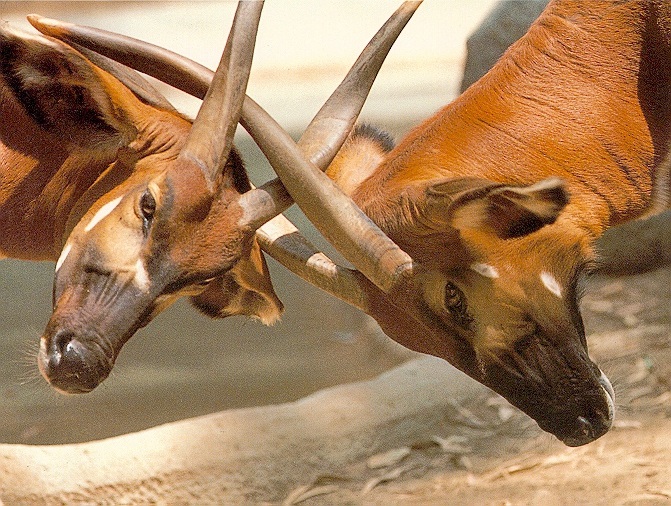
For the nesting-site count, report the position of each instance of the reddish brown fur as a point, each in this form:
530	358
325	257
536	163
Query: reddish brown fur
585	96
74	140
49	184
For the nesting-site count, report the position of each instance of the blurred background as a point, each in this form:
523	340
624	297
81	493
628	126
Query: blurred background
184	364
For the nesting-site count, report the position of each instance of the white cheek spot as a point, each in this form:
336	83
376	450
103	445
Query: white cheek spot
64	255
141	276
551	283
486	270
102	212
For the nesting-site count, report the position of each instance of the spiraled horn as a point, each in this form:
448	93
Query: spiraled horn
211	137
325	134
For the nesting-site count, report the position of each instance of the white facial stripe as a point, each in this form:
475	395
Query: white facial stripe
102	212
610	394
141	276
551	283
64	255
486	270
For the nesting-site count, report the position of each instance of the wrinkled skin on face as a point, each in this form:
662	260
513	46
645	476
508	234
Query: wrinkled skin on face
132	257
503	270
97	180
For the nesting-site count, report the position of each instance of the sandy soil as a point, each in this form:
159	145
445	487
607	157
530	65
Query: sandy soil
501	458
498	456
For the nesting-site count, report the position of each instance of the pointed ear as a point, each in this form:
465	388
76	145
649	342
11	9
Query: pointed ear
507	211
62	91
244	290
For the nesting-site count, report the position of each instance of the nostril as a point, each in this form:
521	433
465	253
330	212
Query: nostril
60	347
61	344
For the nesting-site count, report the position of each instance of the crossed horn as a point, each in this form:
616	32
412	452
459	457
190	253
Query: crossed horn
299	166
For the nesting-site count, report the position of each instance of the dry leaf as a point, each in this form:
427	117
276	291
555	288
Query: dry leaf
452	444
387	459
391	475
464	462
468	418
663	398
306	492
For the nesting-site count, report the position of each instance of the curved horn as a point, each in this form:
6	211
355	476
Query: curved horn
384	268
142	88
332	124
333	213
283	241
211	137
328	130
322	139
164	65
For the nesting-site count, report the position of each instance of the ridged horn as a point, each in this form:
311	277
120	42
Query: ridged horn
389	264
321	140
211	137
330	127
164	65
334	214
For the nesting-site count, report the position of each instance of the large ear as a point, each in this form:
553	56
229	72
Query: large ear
244	290
62	91
507	211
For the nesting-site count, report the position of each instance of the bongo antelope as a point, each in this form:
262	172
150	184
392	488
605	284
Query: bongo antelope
136	204
472	237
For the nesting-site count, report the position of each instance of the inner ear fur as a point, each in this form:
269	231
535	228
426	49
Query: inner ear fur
506	211
62	91
246	289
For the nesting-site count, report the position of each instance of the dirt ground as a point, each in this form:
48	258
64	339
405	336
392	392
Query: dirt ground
486	453
501	457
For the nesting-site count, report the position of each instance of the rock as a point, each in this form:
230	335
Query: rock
637	246
506	23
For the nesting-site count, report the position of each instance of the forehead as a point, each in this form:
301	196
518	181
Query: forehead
547	259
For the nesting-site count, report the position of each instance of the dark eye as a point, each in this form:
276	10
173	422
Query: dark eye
455	305
147	205
147	209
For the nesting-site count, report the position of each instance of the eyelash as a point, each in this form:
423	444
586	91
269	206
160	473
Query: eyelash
455	304
147	210
582	276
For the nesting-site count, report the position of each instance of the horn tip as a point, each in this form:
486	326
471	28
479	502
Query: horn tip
47	26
